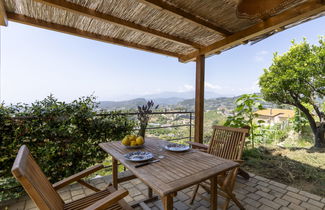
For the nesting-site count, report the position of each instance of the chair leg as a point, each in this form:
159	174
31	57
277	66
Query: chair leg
194	193
225	206
234	199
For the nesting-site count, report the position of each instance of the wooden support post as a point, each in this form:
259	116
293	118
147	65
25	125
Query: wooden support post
199	98
115	172
3	15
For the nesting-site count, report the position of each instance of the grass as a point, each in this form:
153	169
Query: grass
300	167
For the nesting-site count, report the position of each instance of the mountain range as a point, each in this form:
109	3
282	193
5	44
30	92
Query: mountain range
172	102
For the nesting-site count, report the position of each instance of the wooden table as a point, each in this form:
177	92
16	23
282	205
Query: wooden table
175	172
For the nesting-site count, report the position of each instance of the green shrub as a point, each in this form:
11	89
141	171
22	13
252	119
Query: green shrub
62	137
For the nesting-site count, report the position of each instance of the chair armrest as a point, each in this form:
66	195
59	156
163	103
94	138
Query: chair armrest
196	145
238	161
77	176
109	200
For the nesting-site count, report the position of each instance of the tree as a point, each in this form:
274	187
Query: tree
297	78
246	106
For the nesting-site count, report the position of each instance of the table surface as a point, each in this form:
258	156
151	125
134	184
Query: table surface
174	172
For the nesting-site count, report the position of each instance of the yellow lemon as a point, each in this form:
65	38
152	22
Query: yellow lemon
126	141
140	140
132	137
133	143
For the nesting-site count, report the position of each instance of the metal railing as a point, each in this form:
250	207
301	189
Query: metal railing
189	124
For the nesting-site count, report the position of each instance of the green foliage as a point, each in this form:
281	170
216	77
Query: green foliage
246	106
297	78
299	72
274	134
63	137
299	121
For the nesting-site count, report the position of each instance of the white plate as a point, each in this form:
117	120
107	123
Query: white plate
138	156
177	147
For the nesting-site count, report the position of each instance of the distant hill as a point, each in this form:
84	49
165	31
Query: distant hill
210	104
121	105
167	101
214	103
134	103
173	102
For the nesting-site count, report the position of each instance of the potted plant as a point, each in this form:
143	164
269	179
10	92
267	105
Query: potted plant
144	112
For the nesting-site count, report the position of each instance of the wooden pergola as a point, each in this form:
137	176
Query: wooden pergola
189	30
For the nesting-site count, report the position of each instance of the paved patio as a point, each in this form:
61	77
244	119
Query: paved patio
257	193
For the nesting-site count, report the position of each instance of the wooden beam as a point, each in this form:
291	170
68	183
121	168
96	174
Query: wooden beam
85	11
186	15
3	15
199	99
292	15
76	32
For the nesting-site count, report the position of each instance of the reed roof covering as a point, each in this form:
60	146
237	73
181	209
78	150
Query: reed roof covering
178	28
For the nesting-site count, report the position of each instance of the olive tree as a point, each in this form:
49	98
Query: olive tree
297	78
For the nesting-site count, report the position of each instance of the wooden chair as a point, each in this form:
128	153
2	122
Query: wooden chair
227	143
45	195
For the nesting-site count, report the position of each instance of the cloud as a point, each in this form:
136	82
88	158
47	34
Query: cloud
260	56
253	88
212	86
186	88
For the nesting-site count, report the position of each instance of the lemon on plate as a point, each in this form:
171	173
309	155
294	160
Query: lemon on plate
133	143
126	141
139	140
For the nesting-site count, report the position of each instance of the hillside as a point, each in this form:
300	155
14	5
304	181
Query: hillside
172	103
121	105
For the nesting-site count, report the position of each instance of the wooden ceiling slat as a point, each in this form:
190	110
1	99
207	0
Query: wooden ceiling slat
84	11
3	15
290	16
188	16
76	32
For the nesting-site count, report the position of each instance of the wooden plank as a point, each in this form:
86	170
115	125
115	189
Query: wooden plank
108	201
82	182
199	99
77	176
164	177
292	15
76	32
186	15
84	11
3	15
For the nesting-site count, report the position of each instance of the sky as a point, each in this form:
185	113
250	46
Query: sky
37	62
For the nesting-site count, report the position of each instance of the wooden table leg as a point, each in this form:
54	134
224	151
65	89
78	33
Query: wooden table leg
168	202
114	172
214	193
149	192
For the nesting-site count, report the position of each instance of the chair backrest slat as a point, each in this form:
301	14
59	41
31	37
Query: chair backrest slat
35	183
227	142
